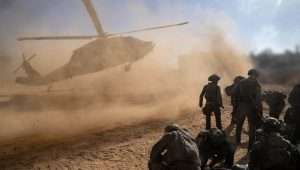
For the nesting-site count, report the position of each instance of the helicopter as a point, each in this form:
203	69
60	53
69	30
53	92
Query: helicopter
106	50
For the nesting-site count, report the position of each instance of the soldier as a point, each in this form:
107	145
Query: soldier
248	98
213	97
176	150
292	116
213	144
275	101
230	92
271	151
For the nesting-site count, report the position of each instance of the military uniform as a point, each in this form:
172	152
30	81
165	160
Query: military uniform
213	144
271	151
213	97
249	103
176	150
230	92
292	116
275	101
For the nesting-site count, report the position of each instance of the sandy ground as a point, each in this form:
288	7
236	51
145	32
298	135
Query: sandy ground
124	148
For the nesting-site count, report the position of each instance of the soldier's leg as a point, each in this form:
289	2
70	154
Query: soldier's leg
207	110
240	123
208	120
234	115
217	112
229	156
252	122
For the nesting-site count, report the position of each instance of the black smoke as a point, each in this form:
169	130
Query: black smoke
278	68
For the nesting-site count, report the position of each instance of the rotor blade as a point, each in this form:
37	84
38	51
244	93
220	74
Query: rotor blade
60	38
93	14
19	67
149	29
31	57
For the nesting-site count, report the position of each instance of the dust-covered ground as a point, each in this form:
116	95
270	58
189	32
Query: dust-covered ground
124	147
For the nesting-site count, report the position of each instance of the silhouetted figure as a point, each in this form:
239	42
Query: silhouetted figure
248	98
213	97
275	101
213	145
176	150
271	151
292	116
230	92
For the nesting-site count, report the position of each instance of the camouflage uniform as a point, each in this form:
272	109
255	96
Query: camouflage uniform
248	94
271	151
275	101
292	116
213	97
230	92
176	150
213	144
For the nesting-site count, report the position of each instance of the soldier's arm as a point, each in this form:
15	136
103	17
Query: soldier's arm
258	95
159	148
219	95
236	94
202	96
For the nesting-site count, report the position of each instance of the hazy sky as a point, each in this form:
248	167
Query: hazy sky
258	23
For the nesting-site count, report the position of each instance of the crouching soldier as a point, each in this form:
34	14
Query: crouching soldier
213	145
213	97
275	101
271	151
176	150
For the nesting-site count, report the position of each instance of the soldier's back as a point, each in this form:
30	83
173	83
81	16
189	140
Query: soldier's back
248	89
181	147
211	94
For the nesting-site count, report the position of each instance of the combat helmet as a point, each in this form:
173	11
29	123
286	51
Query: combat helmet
271	124
214	78
253	72
238	79
171	127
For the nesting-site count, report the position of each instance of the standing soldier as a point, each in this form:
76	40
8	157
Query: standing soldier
248	94
230	92
213	97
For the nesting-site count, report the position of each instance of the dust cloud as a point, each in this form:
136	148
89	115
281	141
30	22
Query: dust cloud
163	85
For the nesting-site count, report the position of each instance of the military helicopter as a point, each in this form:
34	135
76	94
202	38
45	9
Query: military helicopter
106	50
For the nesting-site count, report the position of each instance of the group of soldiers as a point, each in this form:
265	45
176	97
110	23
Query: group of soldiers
273	144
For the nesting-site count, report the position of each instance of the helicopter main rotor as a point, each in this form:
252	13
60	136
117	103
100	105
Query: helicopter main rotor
101	34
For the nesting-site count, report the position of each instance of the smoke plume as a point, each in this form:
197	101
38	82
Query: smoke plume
278	68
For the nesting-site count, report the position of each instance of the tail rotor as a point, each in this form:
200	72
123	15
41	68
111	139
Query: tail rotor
24	60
